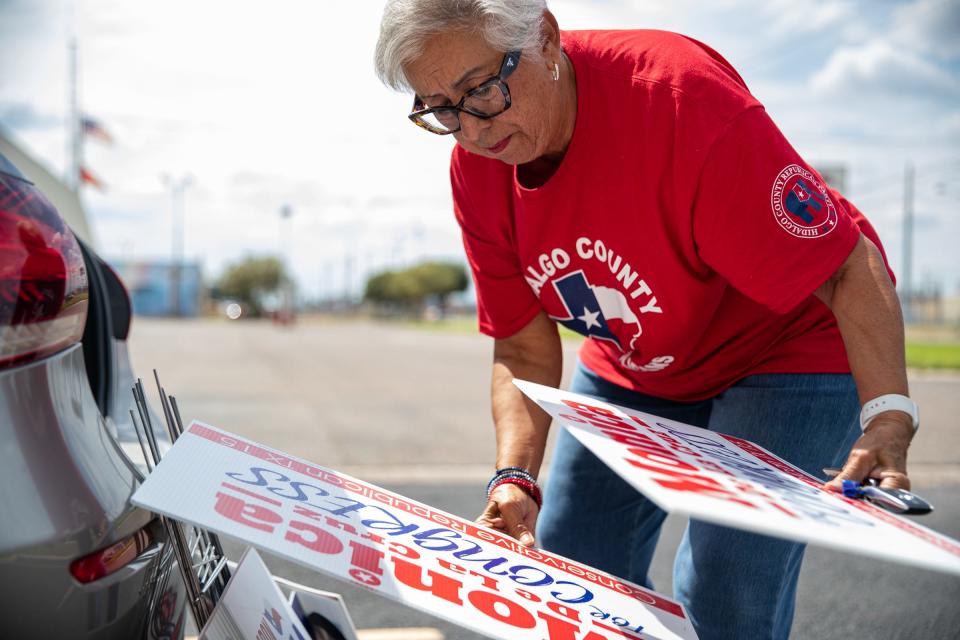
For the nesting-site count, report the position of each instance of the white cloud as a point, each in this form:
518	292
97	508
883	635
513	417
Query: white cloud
788	17
880	67
929	26
279	104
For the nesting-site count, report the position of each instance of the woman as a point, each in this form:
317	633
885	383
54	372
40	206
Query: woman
627	185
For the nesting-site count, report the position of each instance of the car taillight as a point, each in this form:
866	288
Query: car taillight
104	562
43	280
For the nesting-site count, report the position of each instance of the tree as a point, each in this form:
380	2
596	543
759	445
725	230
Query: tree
441	279
393	287
410	288
251	280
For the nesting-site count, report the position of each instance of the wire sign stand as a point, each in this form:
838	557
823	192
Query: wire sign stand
200	556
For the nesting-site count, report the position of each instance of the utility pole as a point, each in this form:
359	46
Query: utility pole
286	262
74	135
347	278
906	280
177	187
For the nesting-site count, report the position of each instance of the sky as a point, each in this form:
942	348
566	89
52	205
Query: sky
266	105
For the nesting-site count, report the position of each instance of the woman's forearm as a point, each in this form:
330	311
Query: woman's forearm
865	304
532	354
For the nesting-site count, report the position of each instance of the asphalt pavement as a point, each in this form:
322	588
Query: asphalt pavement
408	409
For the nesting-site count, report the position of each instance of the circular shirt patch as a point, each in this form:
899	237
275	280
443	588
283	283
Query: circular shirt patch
801	203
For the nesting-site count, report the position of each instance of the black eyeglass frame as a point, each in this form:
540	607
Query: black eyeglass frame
510	61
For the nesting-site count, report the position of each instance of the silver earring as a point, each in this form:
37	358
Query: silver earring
556	71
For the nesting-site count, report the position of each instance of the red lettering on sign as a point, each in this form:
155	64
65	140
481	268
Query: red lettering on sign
781	508
558	629
599	416
526	595
702	485
634	440
710	465
333	523
251	515
247	492
364	577
782	465
373	538
500	608
264	632
589	408
441	586
449	566
683	476
665	459
378	495
621	427
403	550
366	557
609	423
317	539
565	611
300	510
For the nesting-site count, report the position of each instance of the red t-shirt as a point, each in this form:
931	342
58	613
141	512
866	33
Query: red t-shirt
681	232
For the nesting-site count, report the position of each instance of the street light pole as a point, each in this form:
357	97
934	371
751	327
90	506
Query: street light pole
906	281
286	283
75	151
177	187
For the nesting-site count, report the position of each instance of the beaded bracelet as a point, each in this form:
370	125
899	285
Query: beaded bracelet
523	475
505	469
530	488
517	476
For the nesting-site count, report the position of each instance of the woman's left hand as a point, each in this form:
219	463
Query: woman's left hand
879	453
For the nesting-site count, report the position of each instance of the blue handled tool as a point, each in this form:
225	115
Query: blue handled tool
898	501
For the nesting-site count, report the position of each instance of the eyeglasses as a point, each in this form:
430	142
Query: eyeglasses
489	99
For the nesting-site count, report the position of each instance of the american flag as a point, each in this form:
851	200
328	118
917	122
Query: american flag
94	129
88	178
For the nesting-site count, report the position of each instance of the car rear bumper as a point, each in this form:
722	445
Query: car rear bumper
64	493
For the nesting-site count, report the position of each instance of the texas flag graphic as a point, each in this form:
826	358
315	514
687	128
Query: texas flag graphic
803	202
596	312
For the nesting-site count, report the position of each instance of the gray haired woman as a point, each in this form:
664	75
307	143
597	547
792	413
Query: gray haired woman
627	185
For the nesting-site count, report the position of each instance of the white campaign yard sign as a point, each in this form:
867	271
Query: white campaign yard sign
306	601
729	481
473	576
253	607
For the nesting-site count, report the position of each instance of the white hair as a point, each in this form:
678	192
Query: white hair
506	25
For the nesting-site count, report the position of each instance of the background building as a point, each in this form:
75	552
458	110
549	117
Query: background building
150	286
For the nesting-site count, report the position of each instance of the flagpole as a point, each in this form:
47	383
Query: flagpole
75	146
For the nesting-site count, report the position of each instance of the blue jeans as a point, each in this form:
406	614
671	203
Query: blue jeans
734	584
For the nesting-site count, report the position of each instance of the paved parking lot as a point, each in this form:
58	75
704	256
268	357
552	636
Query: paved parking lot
407	409
393	403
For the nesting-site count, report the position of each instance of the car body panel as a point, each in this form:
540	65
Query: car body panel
68	483
64	495
68	467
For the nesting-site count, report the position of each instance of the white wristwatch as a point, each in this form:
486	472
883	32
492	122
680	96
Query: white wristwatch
889	402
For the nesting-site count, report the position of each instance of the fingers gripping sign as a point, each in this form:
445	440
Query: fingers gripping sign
881	452
512	511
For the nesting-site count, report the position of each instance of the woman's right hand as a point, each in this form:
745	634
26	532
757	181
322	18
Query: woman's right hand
512	511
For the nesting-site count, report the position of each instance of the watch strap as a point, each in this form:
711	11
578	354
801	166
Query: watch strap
889	402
